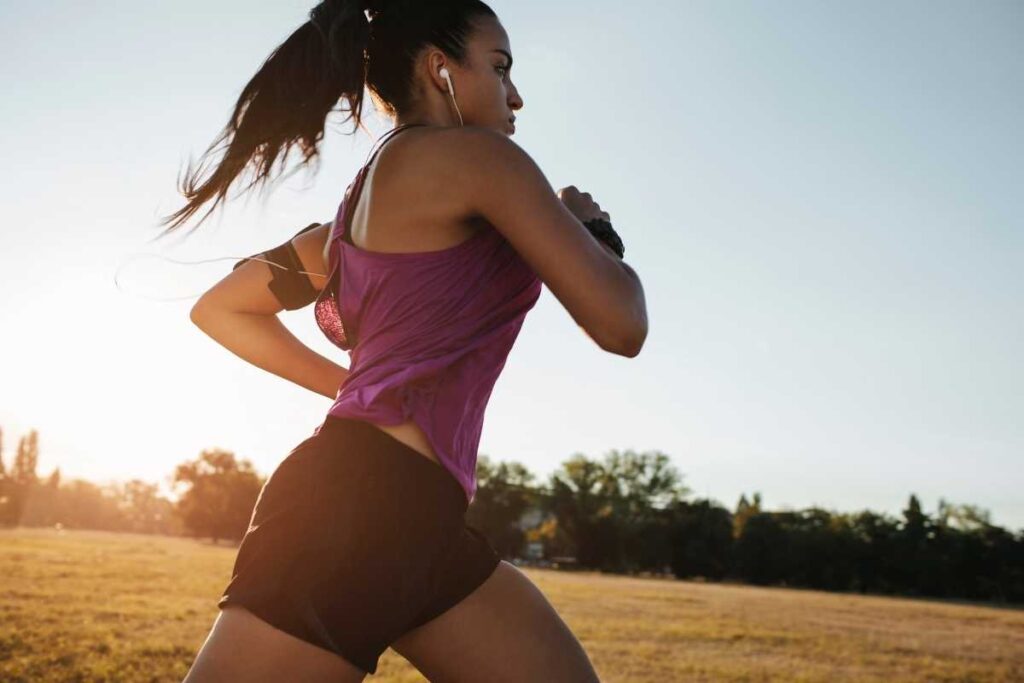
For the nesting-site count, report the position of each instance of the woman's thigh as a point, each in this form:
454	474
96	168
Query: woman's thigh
242	647
505	631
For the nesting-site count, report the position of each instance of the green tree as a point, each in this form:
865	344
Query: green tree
876	537
645	481
643	486
142	508
701	540
41	507
219	495
580	499
503	493
744	511
963	517
22	481
761	550
616	510
915	522
913	549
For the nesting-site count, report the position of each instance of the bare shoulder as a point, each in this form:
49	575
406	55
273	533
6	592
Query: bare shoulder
419	199
460	149
433	144
482	173
447	164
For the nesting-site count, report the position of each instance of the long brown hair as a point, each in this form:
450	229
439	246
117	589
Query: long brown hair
344	47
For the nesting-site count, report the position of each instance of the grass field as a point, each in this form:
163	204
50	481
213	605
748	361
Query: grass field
97	606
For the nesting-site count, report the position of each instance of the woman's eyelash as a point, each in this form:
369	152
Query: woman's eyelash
503	68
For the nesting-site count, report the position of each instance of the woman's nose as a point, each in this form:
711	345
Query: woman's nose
515	102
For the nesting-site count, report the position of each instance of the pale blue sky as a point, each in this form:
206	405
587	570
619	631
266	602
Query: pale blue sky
823	201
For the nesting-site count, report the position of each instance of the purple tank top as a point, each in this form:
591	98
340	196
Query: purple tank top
427	333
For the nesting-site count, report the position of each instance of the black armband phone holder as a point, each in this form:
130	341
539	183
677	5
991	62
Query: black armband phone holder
291	287
603	231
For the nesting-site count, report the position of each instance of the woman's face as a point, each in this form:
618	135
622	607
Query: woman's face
484	90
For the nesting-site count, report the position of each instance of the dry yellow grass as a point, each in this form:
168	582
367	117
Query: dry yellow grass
97	606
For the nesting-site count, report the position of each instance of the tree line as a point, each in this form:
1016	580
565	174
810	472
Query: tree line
218	494
628	512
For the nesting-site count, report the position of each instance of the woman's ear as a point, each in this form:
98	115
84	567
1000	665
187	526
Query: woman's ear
436	60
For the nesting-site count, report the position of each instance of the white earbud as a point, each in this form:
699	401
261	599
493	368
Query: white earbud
443	73
447	77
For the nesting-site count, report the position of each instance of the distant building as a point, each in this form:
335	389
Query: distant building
531	518
533	550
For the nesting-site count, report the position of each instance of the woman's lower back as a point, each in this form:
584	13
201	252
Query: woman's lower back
412	436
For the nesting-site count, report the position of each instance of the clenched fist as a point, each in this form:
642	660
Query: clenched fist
581	204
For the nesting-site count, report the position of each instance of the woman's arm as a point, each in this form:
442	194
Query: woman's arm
264	341
240	313
498	180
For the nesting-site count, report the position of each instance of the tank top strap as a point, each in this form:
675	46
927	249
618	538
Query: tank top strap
355	189
379	144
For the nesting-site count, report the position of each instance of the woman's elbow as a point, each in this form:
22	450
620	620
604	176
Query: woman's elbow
627	340
633	331
629	346
200	313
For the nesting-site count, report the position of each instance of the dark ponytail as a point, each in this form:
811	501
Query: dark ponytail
331	57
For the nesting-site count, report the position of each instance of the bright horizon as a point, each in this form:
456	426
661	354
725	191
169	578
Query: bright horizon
821	199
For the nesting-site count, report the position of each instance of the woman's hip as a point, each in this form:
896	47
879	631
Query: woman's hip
351	474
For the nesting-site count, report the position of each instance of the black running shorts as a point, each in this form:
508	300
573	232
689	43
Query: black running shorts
356	539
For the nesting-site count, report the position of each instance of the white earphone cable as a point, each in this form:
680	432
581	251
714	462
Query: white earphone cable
444	73
209	260
451	91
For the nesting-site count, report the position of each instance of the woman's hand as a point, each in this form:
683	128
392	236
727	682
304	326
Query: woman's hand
264	341
581	204
240	313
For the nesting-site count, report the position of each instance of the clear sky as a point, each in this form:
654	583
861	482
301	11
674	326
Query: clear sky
822	199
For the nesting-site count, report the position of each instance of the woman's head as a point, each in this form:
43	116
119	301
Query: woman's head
393	48
408	86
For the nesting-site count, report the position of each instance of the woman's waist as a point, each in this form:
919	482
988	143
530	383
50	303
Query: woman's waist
400	444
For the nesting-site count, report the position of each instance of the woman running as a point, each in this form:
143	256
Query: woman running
358	540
